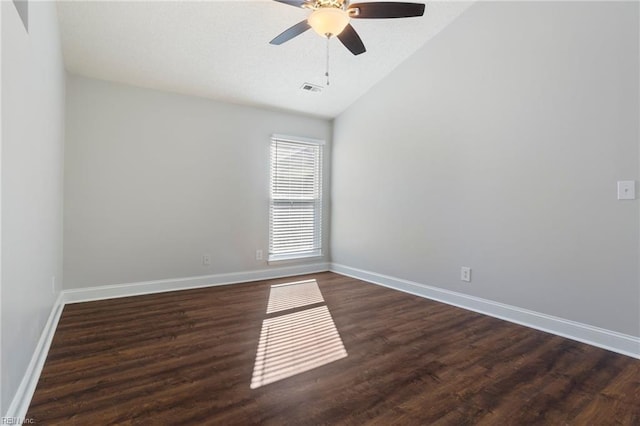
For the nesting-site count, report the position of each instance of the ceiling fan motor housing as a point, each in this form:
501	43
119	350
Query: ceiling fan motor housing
336	4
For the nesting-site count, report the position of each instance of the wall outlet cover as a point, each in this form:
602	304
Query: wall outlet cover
465	274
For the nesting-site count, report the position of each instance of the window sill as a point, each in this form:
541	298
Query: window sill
293	257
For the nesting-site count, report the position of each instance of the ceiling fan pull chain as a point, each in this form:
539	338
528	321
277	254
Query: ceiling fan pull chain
327	73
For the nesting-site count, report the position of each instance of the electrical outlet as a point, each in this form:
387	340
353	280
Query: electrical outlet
258	254
465	273
206	259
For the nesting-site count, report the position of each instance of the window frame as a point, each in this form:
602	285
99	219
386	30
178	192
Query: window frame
317	203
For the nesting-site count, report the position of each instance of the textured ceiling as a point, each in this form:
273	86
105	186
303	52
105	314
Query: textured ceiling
221	50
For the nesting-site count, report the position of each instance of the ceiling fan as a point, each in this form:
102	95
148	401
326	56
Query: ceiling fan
331	18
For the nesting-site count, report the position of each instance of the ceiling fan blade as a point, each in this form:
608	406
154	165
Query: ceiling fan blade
291	32
386	9
351	40
295	3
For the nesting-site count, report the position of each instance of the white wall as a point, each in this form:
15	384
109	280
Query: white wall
32	159
498	146
155	180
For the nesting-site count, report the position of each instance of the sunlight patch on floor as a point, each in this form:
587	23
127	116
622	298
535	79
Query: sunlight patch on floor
293	295
296	342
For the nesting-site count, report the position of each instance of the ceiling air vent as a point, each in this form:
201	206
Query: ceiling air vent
308	87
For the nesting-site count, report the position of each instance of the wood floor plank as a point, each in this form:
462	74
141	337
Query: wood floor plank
187	357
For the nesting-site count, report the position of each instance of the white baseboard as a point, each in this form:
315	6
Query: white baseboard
595	336
22	398
161	286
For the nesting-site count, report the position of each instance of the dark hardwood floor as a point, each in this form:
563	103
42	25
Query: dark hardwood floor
188	357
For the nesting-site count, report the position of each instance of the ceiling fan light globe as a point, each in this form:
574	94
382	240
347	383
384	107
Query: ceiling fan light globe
328	21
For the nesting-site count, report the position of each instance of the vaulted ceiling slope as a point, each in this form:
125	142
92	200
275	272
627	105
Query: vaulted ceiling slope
221	50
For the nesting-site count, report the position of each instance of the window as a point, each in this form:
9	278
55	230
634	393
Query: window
295	217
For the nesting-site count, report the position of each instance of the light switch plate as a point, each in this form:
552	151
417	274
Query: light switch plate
626	190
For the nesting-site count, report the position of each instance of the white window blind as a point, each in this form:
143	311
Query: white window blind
296	199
